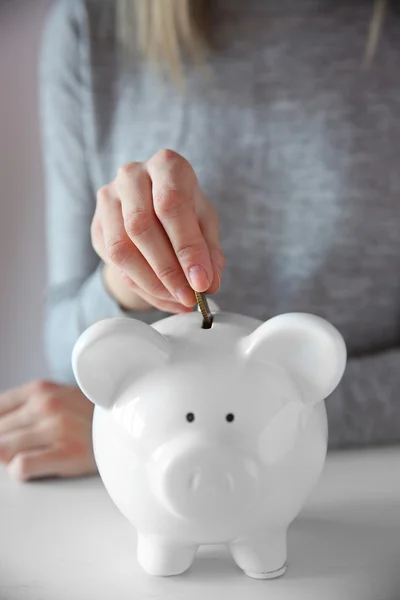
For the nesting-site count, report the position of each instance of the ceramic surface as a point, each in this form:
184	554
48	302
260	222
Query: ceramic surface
210	436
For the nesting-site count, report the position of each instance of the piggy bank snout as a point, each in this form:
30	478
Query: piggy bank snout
207	483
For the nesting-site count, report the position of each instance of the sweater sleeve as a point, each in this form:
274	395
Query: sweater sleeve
76	296
365	408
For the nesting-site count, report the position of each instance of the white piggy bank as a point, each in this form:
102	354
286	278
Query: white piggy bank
210	436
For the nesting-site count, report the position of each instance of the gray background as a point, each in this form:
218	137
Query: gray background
22	258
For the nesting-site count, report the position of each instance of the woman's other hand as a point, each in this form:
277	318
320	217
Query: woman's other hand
158	235
46	430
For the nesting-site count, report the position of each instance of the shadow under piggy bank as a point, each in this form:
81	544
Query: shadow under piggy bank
342	554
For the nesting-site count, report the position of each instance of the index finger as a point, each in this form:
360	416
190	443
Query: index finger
174	189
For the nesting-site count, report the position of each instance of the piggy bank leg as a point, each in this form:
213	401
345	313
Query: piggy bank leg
163	558
261	557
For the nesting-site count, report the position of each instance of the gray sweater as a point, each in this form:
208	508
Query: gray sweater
297	147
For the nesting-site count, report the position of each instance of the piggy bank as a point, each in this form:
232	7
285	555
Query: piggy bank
210	436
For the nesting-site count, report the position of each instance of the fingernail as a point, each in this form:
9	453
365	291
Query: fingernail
198	278
185	296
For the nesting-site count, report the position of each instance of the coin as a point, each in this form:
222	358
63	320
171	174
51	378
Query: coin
204	309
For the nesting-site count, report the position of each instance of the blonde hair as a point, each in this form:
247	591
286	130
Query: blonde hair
166	31
169	29
375	30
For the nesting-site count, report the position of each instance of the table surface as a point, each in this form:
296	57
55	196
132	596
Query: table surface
65	540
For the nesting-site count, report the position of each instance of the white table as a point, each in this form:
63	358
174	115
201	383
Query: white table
65	540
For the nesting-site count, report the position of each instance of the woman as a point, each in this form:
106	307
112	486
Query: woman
285	136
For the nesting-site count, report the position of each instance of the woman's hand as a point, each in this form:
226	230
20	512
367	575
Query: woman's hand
46	430
158	235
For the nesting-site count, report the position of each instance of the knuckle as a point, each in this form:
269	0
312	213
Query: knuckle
103	194
126	170
189	252
172	162
42	387
118	250
51	404
137	222
166	155
170	201
167	272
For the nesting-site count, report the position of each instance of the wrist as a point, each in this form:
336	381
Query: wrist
126	298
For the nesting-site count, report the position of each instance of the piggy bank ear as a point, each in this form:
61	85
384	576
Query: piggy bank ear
112	352
306	346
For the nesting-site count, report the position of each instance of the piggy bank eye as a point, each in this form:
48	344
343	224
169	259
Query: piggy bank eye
190	417
230	417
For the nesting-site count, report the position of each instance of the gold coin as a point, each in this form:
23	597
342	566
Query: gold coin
204	309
